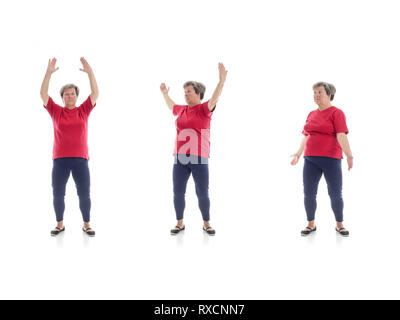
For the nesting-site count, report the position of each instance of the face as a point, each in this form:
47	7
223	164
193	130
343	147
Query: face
69	97
320	96
191	96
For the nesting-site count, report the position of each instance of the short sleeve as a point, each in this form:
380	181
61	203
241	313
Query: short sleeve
52	108
339	122
177	109
206	111
305	132
87	106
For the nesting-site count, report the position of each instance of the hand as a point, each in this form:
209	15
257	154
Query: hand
86	66
350	162
295	159
163	88
51	67
222	72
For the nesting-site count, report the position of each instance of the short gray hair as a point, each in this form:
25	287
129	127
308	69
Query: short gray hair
69	86
197	86
329	88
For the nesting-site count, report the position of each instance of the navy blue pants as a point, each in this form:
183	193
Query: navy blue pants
314	167
62	167
198	167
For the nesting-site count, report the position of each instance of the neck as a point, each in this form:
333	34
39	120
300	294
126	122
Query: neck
324	106
194	104
70	107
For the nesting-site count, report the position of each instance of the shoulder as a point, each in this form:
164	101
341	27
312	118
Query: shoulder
336	111
52	105
88	102
176	109
205	108
311	113
50	102
179	106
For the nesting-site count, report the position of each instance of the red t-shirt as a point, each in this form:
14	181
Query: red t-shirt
193	129
321	128
70	129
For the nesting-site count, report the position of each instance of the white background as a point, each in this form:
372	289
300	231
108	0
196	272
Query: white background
274	52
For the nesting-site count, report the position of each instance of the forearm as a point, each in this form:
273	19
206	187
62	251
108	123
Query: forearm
93	87
44	89
344	144
302	146
170	103
217	92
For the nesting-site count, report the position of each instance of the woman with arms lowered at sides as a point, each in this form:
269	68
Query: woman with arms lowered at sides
325	140
70	150
192	146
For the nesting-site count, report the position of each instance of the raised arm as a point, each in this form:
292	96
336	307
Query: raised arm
344	144
217	92
299	152
44	89
170	103
93	84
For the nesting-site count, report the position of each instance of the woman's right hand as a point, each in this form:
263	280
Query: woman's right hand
295	159
51	67
163	88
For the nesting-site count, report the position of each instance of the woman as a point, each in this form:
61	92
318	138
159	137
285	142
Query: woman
70	151
325	139
192	146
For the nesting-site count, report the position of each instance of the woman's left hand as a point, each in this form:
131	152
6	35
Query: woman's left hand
86	67
222	72
350	162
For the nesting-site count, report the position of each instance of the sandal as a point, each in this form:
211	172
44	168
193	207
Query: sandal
56	231
307	231
342	231
209	230
89	231
177	229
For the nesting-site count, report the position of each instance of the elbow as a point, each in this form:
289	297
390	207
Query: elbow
342	139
